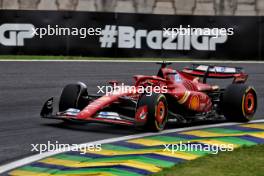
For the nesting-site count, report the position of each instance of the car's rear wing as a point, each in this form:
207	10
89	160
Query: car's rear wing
215	71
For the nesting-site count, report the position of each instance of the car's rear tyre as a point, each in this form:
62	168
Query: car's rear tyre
72	96
157	111
239	102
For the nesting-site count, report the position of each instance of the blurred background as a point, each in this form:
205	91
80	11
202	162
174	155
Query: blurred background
143	21
186	7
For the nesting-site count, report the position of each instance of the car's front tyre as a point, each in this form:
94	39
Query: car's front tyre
72	96
156	111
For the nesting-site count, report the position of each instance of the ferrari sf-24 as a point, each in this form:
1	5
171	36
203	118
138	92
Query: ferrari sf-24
188	98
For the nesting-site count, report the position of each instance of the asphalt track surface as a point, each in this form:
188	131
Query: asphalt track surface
24	86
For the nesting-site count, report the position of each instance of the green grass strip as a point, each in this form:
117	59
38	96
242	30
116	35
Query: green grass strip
243	161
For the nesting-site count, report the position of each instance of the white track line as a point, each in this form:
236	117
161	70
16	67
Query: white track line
30	159
146	61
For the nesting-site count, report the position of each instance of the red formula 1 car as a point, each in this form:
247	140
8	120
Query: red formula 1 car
179	96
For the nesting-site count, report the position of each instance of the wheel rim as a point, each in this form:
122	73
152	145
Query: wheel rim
161	112
249	104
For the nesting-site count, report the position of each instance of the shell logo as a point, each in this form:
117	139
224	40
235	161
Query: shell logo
194	103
